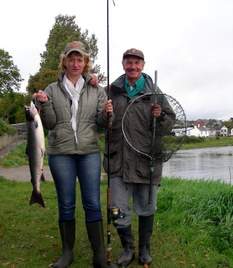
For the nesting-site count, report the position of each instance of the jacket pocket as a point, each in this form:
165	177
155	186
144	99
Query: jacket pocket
60	135
143	167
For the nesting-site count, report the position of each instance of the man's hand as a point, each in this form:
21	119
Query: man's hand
94	80
108	108
156	110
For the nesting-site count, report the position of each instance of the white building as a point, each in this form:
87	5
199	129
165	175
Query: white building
198	132
231	133
224	131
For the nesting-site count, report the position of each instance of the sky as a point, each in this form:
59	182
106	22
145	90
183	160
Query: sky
188	42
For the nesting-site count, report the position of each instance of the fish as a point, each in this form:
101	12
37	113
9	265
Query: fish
35	151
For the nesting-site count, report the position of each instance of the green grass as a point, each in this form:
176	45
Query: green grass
17	157
193	226
194	142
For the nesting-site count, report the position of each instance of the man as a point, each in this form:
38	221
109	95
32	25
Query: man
130	170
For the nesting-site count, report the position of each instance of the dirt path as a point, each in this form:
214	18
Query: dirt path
19	173
22	173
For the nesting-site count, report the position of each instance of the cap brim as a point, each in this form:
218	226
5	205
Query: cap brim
75	50
132	55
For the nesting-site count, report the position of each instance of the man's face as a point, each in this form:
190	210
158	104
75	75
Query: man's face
133	67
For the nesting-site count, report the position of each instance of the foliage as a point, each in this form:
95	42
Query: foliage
12	107
193	139
229	123
5	128
41	79
9	74
63	31
203	142
214	124
212	208
177	241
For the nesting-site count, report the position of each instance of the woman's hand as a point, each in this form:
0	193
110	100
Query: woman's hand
40	96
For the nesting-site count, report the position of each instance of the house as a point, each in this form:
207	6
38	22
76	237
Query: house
224	131
231	133
193	131
198	131
199	123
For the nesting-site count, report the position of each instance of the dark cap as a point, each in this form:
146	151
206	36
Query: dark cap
133	52
75	46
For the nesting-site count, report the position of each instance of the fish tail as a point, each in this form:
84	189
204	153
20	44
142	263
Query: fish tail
36	197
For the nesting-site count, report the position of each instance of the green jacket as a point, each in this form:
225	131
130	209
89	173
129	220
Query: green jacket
125	162
56	116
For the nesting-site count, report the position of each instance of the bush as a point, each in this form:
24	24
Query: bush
6	129
193	139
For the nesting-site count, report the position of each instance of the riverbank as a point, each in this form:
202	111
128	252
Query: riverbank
201	142
193	227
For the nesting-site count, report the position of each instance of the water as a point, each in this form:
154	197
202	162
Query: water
206	163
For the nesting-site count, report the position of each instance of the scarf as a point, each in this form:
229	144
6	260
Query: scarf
133	90
74	93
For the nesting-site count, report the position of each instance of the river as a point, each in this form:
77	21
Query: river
206	163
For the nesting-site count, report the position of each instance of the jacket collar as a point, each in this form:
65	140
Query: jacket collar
86	77
118	85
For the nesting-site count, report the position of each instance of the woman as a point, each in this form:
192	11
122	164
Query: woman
72	109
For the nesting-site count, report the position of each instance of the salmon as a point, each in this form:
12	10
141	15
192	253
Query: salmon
35	151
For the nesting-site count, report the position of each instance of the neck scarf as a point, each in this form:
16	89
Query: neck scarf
133	90
74	93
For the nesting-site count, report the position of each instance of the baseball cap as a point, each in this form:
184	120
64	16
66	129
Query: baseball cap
133	52
75	46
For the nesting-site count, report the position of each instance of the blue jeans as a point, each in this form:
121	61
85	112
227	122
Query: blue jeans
65	169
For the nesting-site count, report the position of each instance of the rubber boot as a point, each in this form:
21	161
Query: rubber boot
96	237
127	242
145	232
67	231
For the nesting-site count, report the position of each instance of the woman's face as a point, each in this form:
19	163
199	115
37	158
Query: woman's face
74	64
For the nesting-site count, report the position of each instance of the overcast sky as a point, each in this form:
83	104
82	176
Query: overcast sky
189	42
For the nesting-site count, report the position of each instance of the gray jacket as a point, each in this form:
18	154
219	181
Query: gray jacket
56	116
124	162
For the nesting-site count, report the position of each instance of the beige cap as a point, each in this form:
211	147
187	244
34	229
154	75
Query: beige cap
75	46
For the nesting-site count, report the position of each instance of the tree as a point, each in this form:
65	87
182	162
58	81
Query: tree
41	79
228	124
10	77
63	31
12	107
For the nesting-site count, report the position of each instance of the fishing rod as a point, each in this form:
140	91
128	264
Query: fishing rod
152	167
109	218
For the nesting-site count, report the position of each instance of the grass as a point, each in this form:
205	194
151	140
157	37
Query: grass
193	226
17	157
194	142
